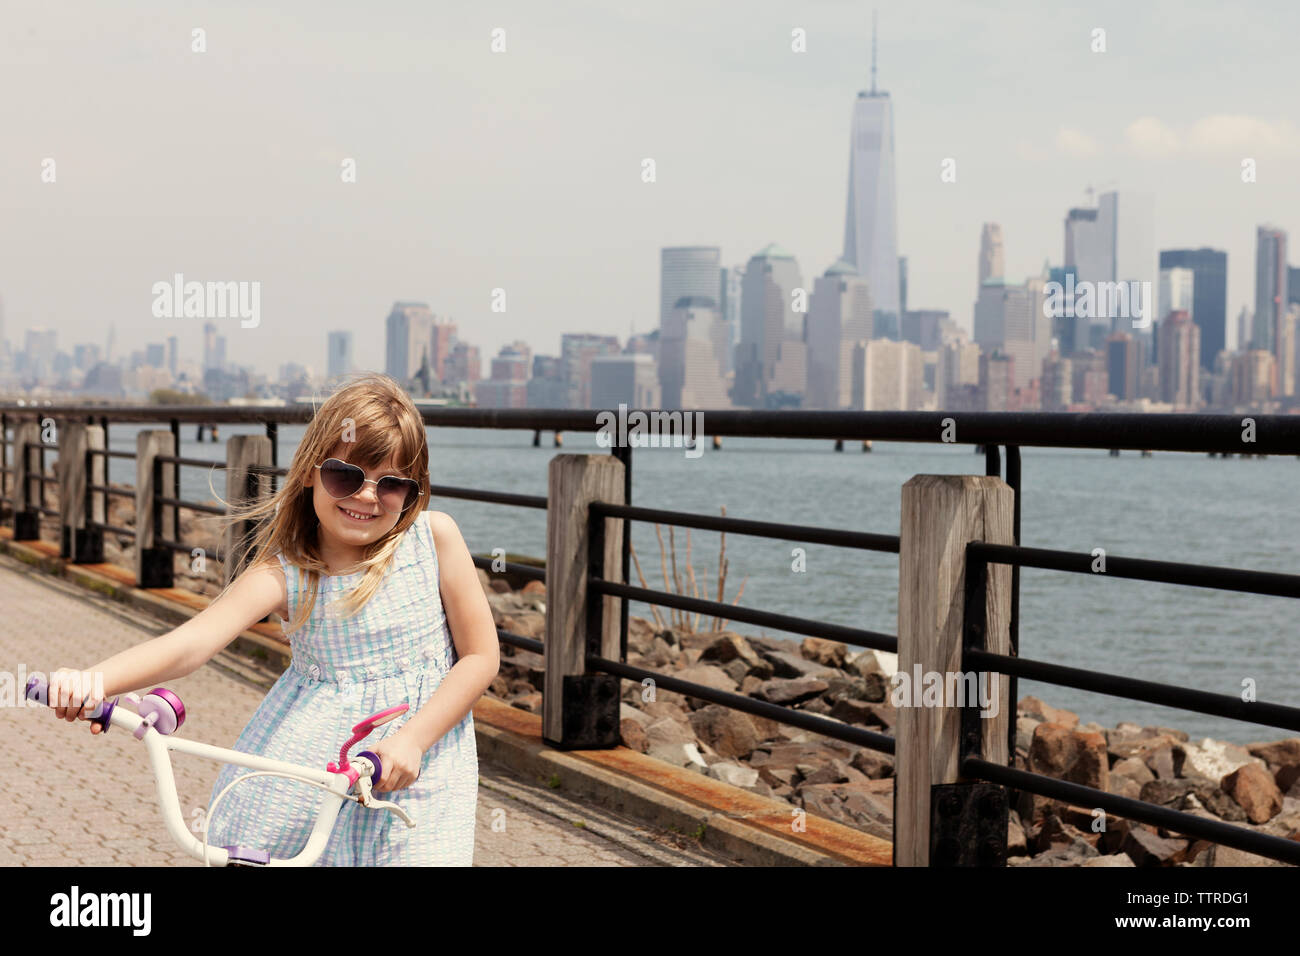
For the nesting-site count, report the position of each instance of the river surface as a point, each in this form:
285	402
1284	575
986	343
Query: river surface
1240	513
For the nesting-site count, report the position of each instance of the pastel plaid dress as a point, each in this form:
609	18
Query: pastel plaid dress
397	649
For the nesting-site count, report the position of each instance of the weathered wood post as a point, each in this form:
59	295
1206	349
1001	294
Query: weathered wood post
78	468
940	515
153	563
581	710
243	487
28	493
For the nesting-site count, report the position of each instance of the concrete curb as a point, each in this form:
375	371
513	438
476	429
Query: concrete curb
750	828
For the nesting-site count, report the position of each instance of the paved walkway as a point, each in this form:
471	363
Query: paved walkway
81	814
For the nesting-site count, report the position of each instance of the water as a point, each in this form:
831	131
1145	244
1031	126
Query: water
1172	506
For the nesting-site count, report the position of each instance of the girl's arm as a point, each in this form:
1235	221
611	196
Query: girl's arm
254	594
469	618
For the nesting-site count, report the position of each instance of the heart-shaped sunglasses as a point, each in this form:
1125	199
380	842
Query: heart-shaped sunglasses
341	479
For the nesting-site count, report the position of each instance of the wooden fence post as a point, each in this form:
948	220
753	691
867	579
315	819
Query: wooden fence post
940	515
580	710
27	500
153	564
242	488
77	468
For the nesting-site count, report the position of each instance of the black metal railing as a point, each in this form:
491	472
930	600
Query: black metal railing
979	555
990	432
598	587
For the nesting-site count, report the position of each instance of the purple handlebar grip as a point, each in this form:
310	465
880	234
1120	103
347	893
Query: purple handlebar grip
379	767
38	689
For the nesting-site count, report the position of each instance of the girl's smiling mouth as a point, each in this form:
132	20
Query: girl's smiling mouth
357	516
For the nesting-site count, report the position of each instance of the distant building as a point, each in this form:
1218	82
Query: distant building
690	365
442	339
1056	392
85	356
173	354
957	368
463	365
771	357
997	382
729	304
991	261
1270	288
1180	361
1252	377
870	226
339	360
684	271
839	315
577	350
547	387
407	332
924	327
1010	319
507	386
1122	366
886	375
630	380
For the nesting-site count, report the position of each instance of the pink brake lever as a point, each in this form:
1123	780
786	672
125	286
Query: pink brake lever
360	732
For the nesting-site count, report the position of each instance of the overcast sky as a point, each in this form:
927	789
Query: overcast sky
522	170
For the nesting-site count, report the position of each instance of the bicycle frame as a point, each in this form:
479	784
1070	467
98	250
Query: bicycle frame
338	783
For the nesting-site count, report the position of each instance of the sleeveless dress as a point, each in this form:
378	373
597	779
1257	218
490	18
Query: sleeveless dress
396	650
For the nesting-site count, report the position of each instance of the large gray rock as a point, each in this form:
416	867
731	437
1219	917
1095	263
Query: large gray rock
788	691
729	732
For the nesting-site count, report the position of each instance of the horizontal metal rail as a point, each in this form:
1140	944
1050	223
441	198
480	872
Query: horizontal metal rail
160	542
1273	434
191	505
1177	821
43	479
106	489
495	497
107	453
518	640
1151	692
264	470
781	622
528	571
189	462
830	728
116	529
760	529
1141	569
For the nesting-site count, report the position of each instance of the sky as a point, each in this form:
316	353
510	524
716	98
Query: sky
522	169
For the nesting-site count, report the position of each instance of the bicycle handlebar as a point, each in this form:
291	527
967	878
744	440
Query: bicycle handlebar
162	713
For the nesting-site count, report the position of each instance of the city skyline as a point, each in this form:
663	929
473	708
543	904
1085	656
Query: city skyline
124	211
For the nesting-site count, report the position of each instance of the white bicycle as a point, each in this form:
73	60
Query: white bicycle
161	713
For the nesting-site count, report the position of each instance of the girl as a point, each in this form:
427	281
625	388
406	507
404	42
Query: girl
382	606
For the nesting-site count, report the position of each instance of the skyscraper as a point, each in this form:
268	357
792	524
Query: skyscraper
690	369
1209	308
687	271
991	264
870	227
1270	288
771	332
339	359
1180	361
729	305
407	332
838	316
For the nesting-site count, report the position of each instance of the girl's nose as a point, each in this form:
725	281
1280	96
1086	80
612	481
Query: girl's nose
368	493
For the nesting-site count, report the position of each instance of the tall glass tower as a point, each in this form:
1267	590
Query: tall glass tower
870	227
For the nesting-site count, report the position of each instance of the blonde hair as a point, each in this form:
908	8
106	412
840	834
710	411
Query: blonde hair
377	421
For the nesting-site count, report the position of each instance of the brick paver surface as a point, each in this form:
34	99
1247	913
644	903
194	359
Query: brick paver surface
92	800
